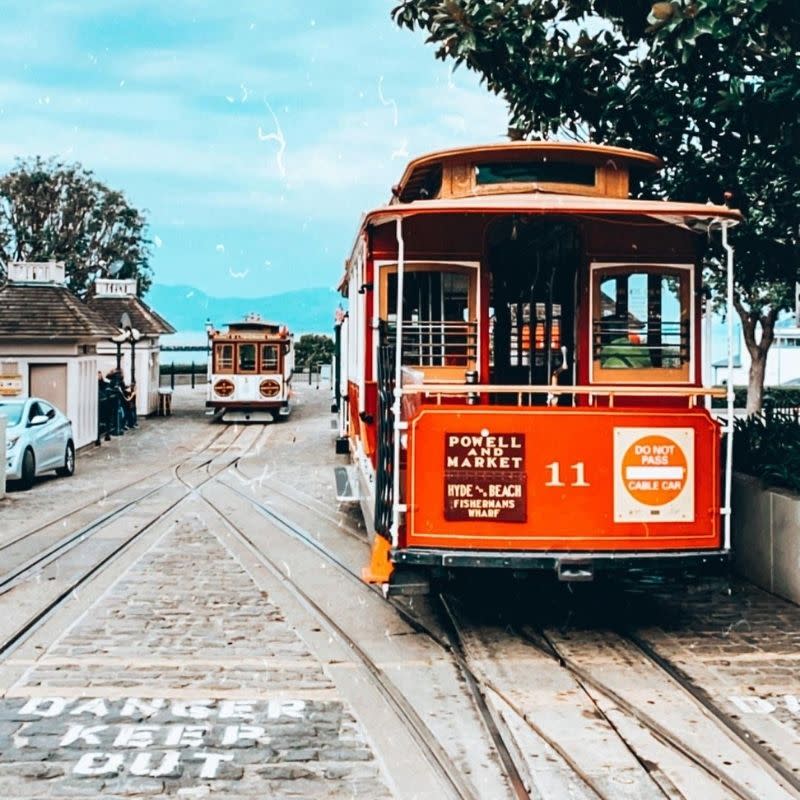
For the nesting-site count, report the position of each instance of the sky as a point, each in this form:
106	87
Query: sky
254	133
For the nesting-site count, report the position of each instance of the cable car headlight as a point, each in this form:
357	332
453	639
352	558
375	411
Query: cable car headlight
224	387
269	388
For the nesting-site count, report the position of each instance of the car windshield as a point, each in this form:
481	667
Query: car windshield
12	411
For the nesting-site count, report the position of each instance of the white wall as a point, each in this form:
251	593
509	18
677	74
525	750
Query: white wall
81	387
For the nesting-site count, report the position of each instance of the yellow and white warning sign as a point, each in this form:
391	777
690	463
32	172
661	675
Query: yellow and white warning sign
653	475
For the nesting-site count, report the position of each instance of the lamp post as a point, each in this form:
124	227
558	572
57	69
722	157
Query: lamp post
134	335
209	334
122	336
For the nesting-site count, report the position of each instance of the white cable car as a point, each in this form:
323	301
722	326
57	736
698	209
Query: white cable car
250	371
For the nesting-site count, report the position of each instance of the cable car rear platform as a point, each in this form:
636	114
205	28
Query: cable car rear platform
572	566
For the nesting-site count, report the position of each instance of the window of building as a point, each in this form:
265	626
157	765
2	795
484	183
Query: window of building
223	356
269	358
247	357
641	323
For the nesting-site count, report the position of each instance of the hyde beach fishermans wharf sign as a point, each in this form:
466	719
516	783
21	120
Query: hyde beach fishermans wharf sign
484	477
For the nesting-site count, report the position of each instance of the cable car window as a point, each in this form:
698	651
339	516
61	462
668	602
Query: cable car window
534	172
437	330
269	358
247	358
641	320
223	354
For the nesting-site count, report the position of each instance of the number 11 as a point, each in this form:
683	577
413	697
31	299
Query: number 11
555	475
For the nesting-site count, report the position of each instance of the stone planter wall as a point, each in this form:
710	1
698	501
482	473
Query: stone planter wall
766	536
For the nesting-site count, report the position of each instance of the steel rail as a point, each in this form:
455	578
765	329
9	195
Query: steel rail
740	732
118	490
582	676
438	757
39	618
455	639
419	626
15	576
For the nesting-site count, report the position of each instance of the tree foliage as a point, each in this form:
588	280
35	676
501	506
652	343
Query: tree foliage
313	349
711	86
50	210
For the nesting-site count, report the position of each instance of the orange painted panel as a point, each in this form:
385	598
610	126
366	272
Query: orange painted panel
562	479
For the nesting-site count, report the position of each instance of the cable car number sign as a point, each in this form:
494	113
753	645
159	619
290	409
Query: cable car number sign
484	476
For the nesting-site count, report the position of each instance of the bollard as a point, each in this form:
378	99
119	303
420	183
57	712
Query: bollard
192	374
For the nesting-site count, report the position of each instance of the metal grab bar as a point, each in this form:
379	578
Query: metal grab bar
603	391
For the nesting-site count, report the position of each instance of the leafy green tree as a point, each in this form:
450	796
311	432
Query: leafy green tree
50	210
313	349
712	86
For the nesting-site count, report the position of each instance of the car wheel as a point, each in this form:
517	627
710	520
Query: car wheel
28	469
69	462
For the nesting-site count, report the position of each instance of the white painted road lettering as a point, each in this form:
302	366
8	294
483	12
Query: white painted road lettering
159	738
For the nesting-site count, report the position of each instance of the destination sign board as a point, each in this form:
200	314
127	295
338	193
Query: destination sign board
484	477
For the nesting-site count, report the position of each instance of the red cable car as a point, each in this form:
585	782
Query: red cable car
520	369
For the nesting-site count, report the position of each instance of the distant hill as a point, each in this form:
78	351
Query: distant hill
303	310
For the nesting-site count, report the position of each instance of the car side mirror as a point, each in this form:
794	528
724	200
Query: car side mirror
39	419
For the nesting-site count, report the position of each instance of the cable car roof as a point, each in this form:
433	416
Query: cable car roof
690	215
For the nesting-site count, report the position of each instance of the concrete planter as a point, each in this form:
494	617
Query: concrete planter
766	536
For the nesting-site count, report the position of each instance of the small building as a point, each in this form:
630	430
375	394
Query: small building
141	327
48	344
783	360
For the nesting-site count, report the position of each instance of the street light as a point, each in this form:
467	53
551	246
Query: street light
134	335
209	334
122	336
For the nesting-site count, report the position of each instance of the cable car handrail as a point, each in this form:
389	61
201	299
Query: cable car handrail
633	391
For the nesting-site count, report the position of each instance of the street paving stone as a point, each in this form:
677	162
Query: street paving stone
184	680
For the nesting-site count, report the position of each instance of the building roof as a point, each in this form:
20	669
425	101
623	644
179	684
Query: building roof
142	317
48	311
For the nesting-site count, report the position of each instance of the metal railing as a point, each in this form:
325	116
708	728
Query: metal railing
444	390
654	344
437	344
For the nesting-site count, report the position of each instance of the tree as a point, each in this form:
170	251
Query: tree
313	349
712	86
50	210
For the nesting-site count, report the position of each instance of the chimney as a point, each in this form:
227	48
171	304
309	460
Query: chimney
108	287
48	273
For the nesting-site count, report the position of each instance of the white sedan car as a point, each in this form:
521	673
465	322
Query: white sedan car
38	439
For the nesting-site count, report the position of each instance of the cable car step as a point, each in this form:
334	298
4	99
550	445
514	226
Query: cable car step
346	485
408	582
575	571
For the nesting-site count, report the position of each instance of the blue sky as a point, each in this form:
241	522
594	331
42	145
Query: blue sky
254	132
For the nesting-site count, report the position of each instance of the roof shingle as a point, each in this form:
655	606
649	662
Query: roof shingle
143	318
46	311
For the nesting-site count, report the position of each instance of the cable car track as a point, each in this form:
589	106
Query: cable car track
11	578
20	575
32	532
738	734
437	756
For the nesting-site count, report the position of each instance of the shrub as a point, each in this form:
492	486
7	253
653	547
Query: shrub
767	445
774	396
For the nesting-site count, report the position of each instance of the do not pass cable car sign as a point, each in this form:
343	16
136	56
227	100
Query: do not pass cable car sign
654	475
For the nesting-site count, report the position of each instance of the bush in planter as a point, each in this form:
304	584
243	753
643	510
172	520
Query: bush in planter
767	445
777	396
